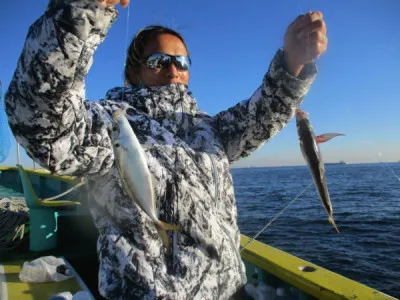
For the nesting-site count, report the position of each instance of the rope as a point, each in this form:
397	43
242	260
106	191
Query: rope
13	218
67	191
270	222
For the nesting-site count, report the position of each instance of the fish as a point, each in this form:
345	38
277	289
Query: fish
309	145
137	180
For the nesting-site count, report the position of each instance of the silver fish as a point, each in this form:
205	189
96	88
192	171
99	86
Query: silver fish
312	155
135	175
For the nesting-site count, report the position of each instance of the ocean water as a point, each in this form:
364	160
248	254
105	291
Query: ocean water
6	192
366	203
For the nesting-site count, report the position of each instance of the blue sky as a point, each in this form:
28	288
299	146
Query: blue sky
232	43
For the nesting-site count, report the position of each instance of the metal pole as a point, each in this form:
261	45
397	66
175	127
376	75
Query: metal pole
18	154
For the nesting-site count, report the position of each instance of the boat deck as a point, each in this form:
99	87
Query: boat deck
13	288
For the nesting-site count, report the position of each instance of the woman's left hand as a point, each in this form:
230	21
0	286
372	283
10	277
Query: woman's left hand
305	40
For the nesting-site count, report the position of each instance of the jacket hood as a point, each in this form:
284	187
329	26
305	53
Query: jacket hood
170	105
157	102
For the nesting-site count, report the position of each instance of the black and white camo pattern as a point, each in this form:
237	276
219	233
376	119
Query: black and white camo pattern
188	152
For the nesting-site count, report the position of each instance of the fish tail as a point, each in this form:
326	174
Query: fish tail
162	229
326	137
168	227
332	221
164	237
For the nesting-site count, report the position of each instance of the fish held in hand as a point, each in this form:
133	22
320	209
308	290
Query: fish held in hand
312	155
135	175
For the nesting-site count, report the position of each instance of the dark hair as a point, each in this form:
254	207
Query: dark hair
134	55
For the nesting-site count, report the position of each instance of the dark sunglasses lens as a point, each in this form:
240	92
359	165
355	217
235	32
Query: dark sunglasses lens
182	62
158	61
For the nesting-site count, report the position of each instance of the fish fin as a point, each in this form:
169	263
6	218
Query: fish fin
164	237
332	221
147	147
326	137
153	181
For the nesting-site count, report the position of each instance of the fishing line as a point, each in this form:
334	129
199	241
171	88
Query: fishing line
308	48
387	165
309	52
281	212
395	175
5	142
126	41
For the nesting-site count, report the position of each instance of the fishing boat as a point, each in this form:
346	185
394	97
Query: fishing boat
342	162
64	228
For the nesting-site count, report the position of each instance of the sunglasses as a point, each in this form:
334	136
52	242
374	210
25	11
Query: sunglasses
163	61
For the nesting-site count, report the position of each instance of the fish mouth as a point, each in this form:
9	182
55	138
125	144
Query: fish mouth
301	115
118	113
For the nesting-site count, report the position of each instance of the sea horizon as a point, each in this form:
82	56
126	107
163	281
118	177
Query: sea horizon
326	163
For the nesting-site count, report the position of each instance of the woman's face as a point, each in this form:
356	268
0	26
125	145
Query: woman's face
168	44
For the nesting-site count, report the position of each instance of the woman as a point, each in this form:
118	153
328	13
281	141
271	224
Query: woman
189	153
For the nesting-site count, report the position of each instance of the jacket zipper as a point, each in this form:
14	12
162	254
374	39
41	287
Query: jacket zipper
216	183
217	209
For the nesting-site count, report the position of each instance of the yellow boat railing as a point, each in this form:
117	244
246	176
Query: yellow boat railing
43	173
310	278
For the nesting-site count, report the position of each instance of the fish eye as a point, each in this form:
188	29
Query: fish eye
114	128
117	145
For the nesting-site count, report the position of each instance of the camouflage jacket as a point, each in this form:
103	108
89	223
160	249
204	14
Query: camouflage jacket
188	152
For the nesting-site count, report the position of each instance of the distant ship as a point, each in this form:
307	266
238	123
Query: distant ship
342	162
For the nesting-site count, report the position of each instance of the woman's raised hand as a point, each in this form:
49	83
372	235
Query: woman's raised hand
111	3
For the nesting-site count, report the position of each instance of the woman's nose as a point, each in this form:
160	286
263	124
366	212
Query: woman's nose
172	71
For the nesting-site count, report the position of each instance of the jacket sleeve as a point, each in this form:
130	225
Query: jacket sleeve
246	126
45	102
